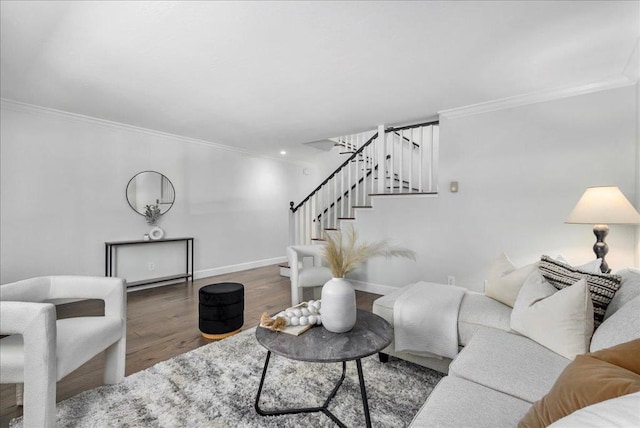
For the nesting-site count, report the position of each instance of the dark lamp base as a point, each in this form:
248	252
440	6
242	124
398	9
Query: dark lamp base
600	247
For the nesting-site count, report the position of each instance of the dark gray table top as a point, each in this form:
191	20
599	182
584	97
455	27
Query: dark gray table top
370	335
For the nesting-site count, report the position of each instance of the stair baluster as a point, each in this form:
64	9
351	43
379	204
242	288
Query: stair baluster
400	160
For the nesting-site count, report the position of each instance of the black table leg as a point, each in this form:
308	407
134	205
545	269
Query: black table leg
264	373
324	408
363	392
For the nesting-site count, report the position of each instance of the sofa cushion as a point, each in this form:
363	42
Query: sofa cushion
629	288
505	280
589	379
477	311
496	359
383	306
456	403
621	327
601	286
561	320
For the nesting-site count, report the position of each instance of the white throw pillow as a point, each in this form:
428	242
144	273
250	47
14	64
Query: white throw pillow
616	412
505	280
561	320
592	266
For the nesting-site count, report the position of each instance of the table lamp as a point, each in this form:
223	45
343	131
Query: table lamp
601	206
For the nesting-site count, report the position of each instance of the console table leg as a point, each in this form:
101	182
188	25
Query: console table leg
363	391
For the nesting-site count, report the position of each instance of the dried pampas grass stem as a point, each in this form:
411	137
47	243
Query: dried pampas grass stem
343	253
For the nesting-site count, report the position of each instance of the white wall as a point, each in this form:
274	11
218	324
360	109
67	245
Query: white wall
521	171
63	181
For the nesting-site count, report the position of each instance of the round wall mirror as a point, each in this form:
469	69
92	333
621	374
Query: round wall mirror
150	188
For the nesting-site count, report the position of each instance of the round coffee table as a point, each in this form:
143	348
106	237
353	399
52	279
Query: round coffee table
370	335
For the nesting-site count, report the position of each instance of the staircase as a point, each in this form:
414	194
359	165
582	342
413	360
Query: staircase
392	161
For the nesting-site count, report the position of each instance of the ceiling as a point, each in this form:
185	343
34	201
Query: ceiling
268	76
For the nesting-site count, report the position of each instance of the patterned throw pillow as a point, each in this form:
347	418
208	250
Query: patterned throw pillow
601	286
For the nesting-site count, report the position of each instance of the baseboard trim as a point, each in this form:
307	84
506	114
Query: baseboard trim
370	287
204	273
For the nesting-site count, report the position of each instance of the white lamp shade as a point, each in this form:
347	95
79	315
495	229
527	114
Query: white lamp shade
603	205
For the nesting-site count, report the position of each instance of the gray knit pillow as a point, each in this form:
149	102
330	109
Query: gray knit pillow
602	287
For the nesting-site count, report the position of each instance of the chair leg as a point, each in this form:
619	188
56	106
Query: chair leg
39	408
115	356
296	294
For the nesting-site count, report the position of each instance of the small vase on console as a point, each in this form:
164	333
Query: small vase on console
156	233
338	305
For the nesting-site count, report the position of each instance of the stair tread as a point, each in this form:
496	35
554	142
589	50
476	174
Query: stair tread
413	190
403	193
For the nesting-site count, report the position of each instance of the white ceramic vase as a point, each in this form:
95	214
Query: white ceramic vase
156	233
338	305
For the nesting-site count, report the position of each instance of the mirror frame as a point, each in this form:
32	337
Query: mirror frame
126	192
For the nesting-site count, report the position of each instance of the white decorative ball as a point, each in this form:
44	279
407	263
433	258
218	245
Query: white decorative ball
305	312
290	314
304	320
311	319
287	321
310	304
295	321
297	312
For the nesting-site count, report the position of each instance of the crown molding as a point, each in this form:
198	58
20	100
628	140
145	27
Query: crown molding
537	97
32	108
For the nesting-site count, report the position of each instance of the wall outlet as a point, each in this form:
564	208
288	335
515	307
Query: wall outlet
151	266
451	280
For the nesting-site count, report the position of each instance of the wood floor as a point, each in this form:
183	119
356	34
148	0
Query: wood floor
162	322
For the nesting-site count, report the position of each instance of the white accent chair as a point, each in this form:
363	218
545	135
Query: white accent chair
306	269
40	350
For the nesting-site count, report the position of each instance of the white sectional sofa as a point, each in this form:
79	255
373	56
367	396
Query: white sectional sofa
499	374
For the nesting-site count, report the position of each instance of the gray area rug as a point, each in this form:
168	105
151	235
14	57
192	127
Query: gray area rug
215	386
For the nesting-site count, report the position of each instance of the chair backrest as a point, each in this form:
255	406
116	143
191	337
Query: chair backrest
47	288
300	252
35	290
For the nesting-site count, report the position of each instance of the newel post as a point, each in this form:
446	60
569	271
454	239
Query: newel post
292	225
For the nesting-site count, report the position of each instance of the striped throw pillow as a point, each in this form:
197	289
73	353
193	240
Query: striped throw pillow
602	287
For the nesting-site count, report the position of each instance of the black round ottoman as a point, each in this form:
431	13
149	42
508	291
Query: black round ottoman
221	309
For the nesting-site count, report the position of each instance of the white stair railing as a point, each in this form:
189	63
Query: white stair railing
402	160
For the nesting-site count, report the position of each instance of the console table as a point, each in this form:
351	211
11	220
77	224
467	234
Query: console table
110	250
